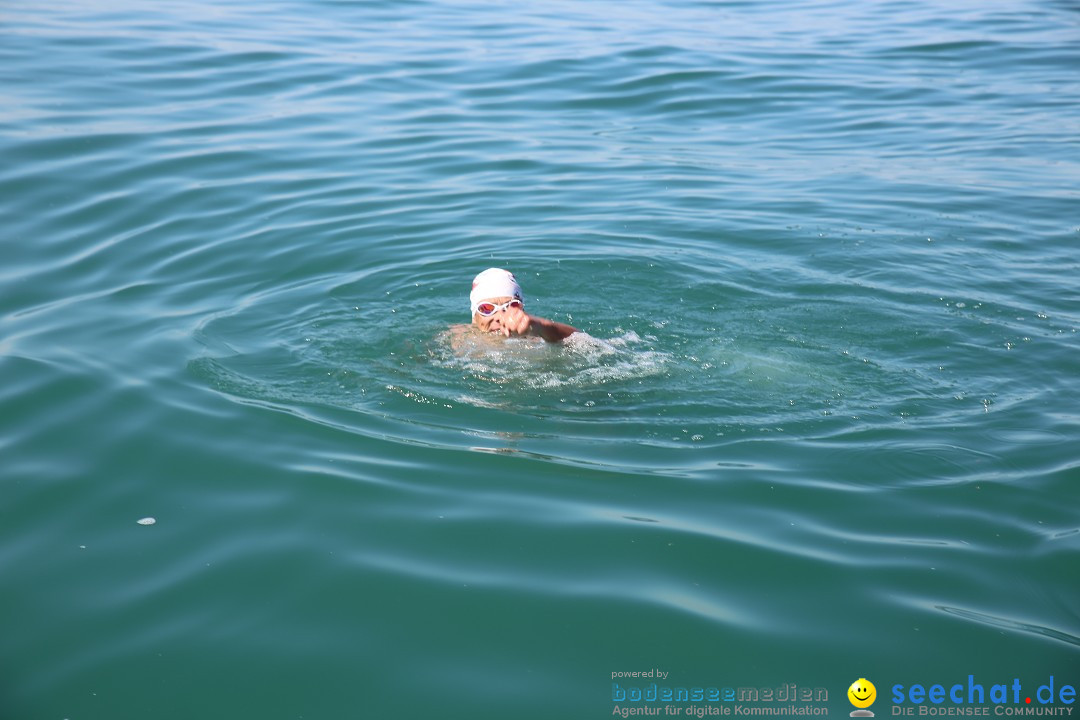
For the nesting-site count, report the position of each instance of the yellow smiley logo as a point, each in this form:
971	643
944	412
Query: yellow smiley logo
862	693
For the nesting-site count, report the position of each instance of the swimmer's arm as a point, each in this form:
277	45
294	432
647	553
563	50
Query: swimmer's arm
550	330
518	322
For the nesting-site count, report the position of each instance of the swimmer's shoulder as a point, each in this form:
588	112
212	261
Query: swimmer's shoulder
455	335
464	338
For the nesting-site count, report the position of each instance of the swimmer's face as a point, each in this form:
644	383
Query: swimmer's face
494	323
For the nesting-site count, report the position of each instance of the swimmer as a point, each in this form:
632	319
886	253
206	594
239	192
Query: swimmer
498	307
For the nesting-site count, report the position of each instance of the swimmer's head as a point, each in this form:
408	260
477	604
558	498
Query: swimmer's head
493	292
492	284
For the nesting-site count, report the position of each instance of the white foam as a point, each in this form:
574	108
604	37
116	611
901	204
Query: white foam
579	361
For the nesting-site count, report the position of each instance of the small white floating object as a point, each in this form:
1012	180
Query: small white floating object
147	521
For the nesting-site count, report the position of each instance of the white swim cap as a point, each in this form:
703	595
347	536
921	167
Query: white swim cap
493	283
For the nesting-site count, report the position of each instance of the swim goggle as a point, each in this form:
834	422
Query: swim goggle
487	309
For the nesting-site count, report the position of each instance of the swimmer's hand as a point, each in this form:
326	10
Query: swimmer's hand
516	322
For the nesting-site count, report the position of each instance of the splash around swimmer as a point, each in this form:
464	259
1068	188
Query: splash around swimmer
498	307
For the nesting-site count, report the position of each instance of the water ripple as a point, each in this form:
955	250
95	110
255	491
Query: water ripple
824	403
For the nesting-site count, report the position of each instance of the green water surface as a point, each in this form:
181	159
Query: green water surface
821	423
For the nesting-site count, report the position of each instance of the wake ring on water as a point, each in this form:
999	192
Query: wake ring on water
379	353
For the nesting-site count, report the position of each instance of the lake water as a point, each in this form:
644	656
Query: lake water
822	423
